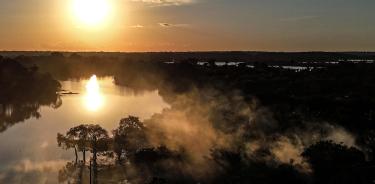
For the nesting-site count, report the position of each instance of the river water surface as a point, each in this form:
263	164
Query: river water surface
29	151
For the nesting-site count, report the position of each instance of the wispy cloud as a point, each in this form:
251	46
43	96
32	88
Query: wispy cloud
158	25
137	26
164	24
300	18
165	2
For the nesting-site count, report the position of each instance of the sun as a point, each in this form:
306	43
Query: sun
91	12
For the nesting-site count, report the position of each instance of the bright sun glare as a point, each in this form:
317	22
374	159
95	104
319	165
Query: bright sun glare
93	97
91	12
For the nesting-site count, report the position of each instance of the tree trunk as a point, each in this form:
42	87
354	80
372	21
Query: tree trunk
4	108
95	165
84	156
80	179
119	157
76	154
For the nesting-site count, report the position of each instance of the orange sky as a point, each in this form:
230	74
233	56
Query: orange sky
186	25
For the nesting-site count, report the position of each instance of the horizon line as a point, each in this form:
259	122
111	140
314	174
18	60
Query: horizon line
196	51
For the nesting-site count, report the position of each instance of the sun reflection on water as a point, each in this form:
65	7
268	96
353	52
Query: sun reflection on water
93	98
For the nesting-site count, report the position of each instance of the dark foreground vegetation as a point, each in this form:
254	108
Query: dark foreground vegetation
127	156
305	118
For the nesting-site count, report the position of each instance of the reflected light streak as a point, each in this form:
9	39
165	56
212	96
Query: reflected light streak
93	98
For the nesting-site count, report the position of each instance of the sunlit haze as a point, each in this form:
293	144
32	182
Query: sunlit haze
187	91
91	12
187	25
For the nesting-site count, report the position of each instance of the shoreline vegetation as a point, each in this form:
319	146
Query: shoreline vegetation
245	122
23	90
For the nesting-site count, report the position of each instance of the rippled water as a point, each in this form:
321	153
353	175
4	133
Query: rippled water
28	150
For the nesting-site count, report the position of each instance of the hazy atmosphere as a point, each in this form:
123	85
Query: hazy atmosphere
187	91
189	25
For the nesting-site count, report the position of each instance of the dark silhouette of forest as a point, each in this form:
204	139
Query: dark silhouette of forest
128	156
254	121
22	91
341	93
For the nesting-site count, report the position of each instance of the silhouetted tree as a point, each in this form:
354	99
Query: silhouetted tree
97	139
57	55
237	167
162	165
67	142
128	137
79	135
370	143
86	138
330	161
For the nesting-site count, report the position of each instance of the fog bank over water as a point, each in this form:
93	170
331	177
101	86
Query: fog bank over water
202	120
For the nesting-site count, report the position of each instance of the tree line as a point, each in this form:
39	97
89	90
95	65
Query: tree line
137	161
23	90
